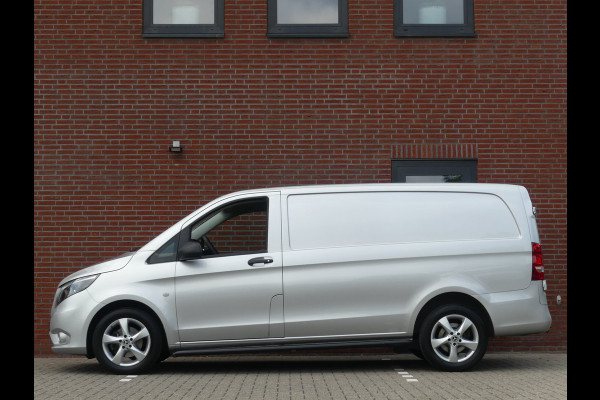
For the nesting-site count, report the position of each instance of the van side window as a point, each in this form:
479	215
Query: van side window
167	252
237	228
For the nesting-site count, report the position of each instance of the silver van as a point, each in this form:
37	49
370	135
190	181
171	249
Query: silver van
439	268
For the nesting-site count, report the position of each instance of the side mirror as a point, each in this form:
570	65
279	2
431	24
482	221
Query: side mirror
191	250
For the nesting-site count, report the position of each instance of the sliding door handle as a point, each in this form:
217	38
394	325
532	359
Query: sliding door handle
260	260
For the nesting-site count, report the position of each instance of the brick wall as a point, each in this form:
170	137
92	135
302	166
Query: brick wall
252	111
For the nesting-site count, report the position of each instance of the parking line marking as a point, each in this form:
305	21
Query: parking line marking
127	378
406	375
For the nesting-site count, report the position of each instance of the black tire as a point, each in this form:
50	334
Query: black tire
453	338
416	351
137	343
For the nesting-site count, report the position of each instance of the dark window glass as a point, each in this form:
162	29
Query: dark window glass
167	253
434	171
433	18
307	12
183	18
237	228
307	18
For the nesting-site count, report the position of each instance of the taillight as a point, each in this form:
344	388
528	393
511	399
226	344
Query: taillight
537	270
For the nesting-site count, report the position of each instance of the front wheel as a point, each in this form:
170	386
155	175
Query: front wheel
127	341
453	338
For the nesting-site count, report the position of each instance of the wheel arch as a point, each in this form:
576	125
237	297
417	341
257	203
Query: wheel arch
457	298
115	306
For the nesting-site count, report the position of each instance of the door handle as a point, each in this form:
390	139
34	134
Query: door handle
260	260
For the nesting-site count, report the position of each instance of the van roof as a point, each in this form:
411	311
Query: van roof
357	187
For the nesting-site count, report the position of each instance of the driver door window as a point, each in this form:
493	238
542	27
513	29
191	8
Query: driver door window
238	228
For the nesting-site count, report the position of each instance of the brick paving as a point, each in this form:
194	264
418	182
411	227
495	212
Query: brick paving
277	377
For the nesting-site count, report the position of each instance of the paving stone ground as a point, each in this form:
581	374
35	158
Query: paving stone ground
276	377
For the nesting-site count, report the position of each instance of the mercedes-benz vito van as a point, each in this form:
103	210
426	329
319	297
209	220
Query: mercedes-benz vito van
437	267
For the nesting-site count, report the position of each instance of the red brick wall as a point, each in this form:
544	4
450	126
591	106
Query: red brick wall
251	112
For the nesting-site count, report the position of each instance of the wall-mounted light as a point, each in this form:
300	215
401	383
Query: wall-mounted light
176	148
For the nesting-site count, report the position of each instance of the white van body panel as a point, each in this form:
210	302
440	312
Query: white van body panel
327	220
153	285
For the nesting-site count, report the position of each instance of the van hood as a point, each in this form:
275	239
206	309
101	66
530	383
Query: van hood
106	266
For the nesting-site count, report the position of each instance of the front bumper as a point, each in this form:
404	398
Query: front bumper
69	324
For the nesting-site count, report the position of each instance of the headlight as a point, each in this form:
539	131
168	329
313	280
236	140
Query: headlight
75	286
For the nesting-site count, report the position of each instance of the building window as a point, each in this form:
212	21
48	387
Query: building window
434	18
184	18
307	18
434	171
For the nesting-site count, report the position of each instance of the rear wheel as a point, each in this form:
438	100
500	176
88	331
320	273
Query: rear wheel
127	341
453	338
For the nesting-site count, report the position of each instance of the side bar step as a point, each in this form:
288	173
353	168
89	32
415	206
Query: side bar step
297	346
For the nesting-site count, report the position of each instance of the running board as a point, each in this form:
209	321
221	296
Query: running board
297	346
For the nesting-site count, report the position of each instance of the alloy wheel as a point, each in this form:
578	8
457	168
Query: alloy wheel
454	338
126	342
